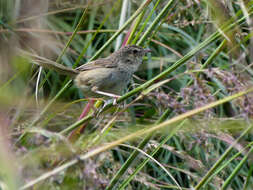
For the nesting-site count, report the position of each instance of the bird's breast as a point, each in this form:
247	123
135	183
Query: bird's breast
103	79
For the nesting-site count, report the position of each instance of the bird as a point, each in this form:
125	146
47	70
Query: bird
104	77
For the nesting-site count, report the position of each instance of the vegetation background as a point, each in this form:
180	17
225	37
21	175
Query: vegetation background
184	122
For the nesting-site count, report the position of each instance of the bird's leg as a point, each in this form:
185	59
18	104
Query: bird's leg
114	96
107	94
106	102
114	101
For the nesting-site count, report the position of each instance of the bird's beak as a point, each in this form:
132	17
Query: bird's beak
147	50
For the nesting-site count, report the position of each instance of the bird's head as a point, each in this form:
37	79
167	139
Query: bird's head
130	57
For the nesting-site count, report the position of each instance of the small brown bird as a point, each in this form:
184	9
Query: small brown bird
106	76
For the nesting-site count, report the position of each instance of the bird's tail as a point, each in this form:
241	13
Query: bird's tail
44	62
49	64
58	68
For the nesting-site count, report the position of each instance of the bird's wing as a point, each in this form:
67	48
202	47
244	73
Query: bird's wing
99	63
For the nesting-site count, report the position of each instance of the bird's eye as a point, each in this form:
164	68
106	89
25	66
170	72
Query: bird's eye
135	51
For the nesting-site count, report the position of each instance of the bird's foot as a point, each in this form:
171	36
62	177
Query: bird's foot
106	103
